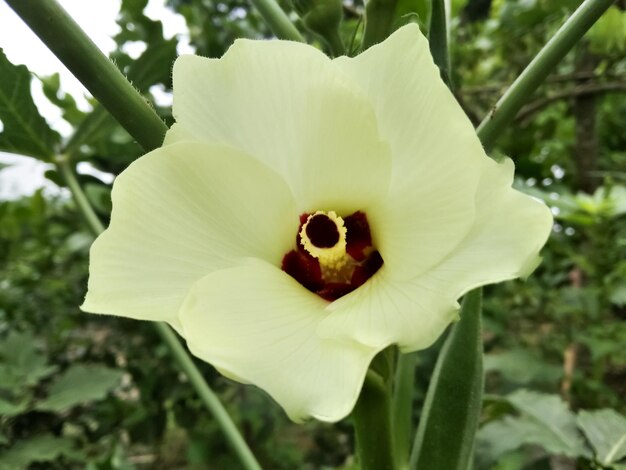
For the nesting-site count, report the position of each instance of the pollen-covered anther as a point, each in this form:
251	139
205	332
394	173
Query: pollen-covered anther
323	236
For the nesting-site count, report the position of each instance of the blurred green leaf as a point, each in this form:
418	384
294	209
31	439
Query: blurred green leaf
65	101
606	431
21	364
522	367
25	132
79	384
555	423
608	35
9	408
42	448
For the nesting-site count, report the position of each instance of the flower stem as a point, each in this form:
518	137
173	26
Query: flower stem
379	16
277	20
94	223
208	397
100	76
372	425
518	93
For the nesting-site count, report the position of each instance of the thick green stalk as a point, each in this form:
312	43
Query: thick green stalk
438	39
277	20
372	425
541	66
208	397
99	75
379	17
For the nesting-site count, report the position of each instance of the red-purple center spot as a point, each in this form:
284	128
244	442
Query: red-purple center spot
362	259
322	231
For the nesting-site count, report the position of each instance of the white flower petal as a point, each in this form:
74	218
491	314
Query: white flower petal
180	213
257	323
387	311
289	106
436	154
509	230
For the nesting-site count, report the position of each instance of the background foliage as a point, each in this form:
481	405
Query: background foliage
84	391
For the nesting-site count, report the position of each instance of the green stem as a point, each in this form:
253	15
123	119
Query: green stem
379	17
101	77
372	425
208	397
438	39
92	219
277	20
517	95
402	406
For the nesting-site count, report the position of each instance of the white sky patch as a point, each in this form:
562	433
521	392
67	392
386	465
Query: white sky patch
22	46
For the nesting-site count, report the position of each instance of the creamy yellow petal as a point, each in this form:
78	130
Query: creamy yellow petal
180	213
504	242
256	323
289	106
387	311
436	154
509	230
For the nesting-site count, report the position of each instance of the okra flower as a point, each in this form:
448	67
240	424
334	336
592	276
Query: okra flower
305	213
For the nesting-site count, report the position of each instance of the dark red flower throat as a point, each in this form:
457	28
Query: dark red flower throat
333	256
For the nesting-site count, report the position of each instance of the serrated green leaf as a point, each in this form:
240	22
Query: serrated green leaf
79	384
37	449
25	131
148	69
606	431
559	433
65	101
445	437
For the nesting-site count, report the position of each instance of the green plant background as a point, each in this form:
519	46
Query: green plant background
84	391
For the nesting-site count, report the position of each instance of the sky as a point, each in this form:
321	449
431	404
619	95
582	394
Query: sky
97	18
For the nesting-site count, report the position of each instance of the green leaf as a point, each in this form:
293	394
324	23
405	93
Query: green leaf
556	428
148	69
65	101
606	431
37	449
521	366
80	384
21	364
445	437
500	437
9	408
25	131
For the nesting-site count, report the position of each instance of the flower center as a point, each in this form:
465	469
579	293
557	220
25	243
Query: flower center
333	255
323	236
